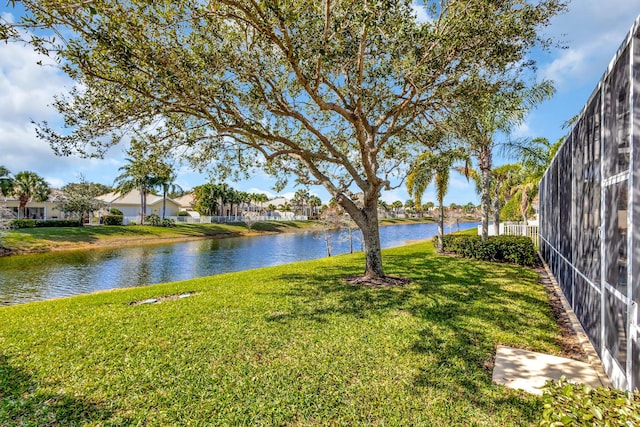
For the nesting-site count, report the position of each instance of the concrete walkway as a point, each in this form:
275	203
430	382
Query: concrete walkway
529	371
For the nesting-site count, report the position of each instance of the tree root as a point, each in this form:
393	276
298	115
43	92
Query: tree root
385	281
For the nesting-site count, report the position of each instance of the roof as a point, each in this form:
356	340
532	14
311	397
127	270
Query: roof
54	196
185	201
278	201
132	198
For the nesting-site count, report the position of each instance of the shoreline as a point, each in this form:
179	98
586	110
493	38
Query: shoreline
48	246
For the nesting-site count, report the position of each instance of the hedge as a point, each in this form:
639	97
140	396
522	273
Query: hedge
23	223
112	219
58	223
567	404
514	249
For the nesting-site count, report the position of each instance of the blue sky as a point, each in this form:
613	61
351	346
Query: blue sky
592	31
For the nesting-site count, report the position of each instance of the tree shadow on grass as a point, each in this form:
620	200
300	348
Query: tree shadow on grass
468	307
22	403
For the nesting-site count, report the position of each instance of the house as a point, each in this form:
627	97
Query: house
129	204
49	209
185	202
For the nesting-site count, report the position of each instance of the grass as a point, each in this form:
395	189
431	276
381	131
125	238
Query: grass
46	239
288	345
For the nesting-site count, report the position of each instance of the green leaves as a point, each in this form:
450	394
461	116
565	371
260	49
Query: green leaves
567	404
328	91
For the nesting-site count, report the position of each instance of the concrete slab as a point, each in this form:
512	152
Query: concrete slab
529	371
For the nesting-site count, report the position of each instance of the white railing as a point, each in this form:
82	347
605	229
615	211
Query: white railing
510	229
530	231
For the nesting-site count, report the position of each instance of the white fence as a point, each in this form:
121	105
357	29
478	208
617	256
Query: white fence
514	229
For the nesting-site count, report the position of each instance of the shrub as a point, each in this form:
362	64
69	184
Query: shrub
58	223
153	219
567	404
514	249
23	223
116	211
168	222
112	219
183	213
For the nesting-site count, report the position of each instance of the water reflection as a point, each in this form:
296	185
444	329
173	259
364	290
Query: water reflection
52	275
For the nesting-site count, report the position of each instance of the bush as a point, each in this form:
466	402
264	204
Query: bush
23	223
153	219
514	249
183	213
116	211
112	219
567	404
168	222
58	223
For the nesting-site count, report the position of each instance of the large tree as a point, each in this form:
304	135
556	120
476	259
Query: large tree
79	198
326	90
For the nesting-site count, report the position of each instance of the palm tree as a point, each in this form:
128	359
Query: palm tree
245	200
383	205
26	186
433	167
396	206
235	198
314	204
535	156
136	175
206	199
224	192
256	198
165	180
300	200
501	181
486	114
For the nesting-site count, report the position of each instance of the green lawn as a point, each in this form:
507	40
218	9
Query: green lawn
45	239
289	345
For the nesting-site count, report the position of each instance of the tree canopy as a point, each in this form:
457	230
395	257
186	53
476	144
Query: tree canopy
326	90
79	198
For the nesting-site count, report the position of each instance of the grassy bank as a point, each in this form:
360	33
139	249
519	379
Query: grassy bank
289	345
28	240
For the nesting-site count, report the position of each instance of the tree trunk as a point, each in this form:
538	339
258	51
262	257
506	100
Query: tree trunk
371	237
496	210
524	206
441	228
164	201
366	218
143	204
484	162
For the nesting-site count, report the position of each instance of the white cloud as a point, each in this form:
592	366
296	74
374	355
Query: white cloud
420	12
522	130
592	31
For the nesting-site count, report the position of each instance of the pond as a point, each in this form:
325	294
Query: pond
40	277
